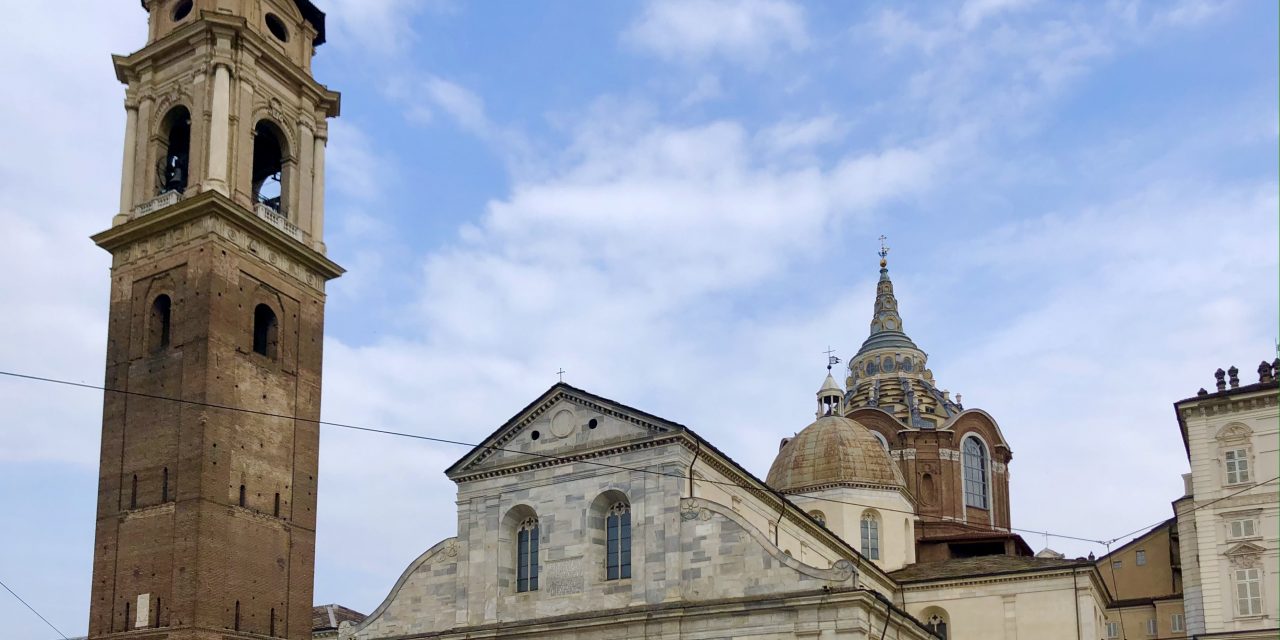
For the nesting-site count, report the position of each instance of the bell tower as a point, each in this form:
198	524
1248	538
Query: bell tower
208	473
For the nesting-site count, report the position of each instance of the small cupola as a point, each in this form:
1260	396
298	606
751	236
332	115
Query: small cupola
829	397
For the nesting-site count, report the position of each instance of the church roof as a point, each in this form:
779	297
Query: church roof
325	617
982	566
833	451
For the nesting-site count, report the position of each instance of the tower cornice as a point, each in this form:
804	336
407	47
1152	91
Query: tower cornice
133	66
212	203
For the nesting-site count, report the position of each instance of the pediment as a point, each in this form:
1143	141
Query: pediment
563	422
1245	549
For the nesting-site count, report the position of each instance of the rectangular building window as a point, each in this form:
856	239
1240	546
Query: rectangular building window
1237	466
1117	564
1178	623
1113	629
1140	558
1151	626
1242	528
1249	592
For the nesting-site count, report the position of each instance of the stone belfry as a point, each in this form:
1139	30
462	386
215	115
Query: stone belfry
208	473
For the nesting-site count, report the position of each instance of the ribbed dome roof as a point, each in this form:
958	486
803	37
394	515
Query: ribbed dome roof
833	451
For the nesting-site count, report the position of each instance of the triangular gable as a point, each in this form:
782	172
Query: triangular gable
1245	549
561	417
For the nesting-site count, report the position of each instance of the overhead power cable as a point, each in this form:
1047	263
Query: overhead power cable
353	427
33	610
1195	509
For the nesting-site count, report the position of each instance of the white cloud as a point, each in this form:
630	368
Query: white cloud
380	27
740	30
802	135
974	12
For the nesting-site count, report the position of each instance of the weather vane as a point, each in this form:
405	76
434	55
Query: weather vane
884	251
831	359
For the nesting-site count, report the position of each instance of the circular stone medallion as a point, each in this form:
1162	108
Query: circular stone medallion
562	423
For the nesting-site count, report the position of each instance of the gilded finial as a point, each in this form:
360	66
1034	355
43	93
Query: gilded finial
884	252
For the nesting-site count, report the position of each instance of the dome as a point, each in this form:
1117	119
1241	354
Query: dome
833	451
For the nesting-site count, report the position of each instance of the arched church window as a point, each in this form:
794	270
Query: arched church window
527	556
938	625
266	330
617	559
976	490
871	535
268	166
161	322
176	156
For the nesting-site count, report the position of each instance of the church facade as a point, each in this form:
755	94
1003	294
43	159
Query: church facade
886	517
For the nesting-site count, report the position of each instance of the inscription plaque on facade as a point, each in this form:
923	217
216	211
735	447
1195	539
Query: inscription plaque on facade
564	577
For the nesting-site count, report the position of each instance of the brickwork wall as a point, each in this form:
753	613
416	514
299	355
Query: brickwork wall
198	552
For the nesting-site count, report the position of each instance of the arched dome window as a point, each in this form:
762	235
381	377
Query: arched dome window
819	516
871	534
976	463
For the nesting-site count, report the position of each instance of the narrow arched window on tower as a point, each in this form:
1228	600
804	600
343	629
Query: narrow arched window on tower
133	493
127	625
617	561
161	322
272	629
975	474
242	495
235	623
277	510
164	485
266	330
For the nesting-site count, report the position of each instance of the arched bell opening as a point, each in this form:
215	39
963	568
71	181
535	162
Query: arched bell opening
175	156
269	178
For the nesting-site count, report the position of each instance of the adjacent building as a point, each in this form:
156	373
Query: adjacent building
1144	579
1229	520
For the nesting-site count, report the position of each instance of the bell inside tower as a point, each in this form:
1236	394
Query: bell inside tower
177	150
268	166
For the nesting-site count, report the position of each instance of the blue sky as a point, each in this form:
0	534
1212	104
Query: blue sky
678	203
